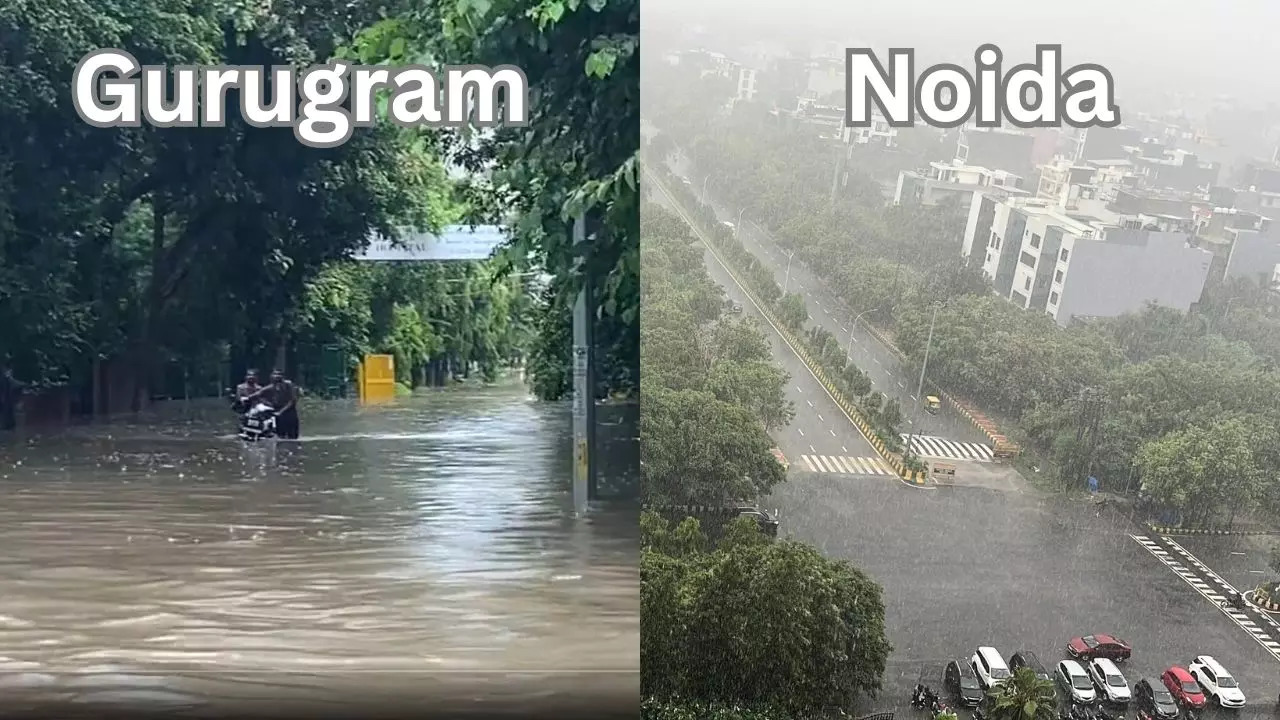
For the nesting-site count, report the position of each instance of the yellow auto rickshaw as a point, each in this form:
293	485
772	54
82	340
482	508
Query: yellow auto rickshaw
932	403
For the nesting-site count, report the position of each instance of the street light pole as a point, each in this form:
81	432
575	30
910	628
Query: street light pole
737	229
787	283
915	412
848	353
704	187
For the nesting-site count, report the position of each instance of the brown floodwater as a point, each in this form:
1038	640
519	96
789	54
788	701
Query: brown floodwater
403	551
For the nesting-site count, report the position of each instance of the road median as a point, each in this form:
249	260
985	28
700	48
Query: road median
915	478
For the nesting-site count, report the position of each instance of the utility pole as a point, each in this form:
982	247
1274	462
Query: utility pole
584	385
1088	420
835	176
787	283
737	229
915	412
848	353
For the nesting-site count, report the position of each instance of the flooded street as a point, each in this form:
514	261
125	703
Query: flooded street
393	552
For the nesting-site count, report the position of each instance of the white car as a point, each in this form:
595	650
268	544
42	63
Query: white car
1110	682
1075	681
1216	682
990	668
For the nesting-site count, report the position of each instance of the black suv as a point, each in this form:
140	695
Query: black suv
963	683
1028	659
1154	699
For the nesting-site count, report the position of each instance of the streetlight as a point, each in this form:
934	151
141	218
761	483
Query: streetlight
787	283
737	229
704	186
915	412
848	353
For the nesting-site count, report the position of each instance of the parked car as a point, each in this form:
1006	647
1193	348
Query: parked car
1183	687
990	668
1028	659
767	521
1110	682
1216	681
963	683
1154	699
1096	646
735	308
1075	681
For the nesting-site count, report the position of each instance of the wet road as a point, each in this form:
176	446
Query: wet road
964	567
820	427
887	373
406	551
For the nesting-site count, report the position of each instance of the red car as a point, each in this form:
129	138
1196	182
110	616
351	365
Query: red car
1183	687
1091	647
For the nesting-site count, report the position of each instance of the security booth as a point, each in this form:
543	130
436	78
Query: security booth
932	403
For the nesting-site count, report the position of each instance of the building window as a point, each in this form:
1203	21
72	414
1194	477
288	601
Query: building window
988	258
1058	277
1027	285
1028	259
1062	256
1053	298
1035	241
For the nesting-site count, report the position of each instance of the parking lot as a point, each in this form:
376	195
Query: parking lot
964	567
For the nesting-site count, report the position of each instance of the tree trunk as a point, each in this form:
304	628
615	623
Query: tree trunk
144	361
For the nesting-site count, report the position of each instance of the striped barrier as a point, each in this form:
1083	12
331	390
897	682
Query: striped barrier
915	477
1262	602
1163	530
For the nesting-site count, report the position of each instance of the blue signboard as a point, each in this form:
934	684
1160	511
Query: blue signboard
455	242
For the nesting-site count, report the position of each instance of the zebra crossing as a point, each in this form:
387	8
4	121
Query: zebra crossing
1260	625
844	465
935	447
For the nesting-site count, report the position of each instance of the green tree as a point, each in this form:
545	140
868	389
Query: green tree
823	647
1023	697
792	311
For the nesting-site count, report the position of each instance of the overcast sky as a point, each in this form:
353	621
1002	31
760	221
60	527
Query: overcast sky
1207	48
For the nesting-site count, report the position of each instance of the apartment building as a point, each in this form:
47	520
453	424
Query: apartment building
1253	254
997	148
1070	265
880	133
953	183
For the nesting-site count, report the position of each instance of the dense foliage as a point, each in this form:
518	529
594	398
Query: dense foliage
578	155
1172	385
785	629
133	251
711	392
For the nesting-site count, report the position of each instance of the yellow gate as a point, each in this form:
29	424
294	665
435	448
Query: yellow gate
377	378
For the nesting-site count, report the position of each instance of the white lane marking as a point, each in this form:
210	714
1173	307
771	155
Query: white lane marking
810	402
833	432
845	449
800	431
820	418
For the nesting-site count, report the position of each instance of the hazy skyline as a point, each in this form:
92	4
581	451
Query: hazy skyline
1152	48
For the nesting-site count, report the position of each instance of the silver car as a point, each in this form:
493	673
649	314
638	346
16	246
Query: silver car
1107	677
1075	681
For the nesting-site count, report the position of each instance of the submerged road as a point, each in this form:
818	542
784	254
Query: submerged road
418	551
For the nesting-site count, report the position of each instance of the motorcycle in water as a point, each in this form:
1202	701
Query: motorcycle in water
258	423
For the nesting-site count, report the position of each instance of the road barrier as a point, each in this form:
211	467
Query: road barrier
1165	530
915	477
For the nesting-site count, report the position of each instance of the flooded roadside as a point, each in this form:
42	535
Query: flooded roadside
158	563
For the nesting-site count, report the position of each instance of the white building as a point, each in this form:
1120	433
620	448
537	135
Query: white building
879	133
942	182
1043	258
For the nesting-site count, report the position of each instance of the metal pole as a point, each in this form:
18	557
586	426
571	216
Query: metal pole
737	229
787	283
915	412
849	348
704	187
584	406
